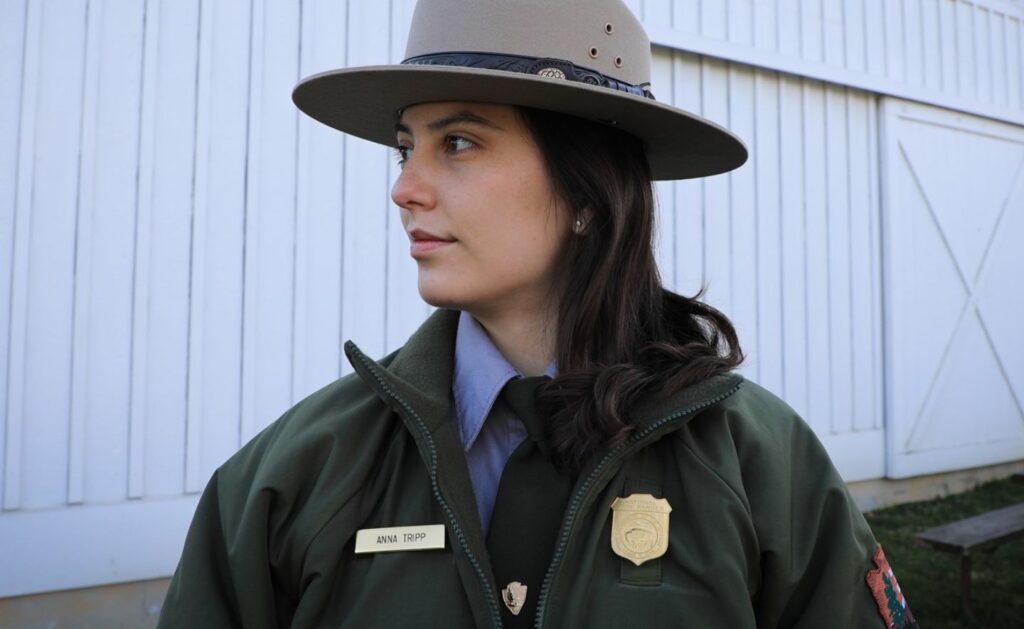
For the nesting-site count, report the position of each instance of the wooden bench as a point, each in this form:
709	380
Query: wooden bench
981	533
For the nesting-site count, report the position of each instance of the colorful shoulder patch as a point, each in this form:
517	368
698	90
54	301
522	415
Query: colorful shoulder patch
891	603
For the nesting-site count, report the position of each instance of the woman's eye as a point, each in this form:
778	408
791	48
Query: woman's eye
402	154
456	144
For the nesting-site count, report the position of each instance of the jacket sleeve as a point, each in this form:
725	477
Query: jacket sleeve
817	552
247	560
224	577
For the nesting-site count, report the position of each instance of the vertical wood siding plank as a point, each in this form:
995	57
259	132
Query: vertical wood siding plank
789	27
717	202
143	228
215	309
21	241
689	195
164	241
967	77
267	344
366	206
743	219
766	26
686	15
875	38
861	164
817	269
12	63
983	54
839	302
101	357
1014	62
319	202
769	230
794	254
833	34
854	35
931	34
740	16
48	309
812	27
997	53
1019	38
405	309
875	233
947	43
198	262
713	19
913	42
658	12
895	41
665	202
250	265
82	284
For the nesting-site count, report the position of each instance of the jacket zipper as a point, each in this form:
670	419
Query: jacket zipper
492	603
585	489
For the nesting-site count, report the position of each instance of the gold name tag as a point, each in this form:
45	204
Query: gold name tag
395	538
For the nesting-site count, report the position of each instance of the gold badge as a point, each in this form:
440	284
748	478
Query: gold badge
640	527
514	596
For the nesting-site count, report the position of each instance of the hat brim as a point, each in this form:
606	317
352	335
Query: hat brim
364	101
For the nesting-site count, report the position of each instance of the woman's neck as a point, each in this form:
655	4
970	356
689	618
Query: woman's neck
526	340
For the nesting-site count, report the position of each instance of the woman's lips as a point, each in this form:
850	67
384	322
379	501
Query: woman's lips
425	243
420	248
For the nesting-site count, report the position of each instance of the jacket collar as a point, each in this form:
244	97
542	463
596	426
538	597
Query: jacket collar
421	373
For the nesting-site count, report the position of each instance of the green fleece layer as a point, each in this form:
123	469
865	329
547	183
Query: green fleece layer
762	530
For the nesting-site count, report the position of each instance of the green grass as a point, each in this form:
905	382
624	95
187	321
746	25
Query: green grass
931	579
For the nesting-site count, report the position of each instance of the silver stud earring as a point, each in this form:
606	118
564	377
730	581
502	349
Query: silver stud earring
579	226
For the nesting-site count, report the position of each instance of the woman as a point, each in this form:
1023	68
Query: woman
563	443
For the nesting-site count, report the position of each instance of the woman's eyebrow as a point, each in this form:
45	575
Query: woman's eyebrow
462	116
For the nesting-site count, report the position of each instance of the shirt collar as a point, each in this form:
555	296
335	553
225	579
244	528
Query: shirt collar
481	372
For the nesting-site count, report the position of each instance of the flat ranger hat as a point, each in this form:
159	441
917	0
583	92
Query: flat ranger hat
586	58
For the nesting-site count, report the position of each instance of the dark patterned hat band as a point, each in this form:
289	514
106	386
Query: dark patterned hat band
552	68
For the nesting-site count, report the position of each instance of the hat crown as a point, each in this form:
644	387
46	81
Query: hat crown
601	35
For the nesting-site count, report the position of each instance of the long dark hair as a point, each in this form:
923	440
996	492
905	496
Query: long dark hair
620	334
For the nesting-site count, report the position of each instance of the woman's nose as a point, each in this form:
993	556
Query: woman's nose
413	189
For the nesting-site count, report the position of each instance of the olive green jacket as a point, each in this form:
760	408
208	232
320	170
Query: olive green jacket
762	532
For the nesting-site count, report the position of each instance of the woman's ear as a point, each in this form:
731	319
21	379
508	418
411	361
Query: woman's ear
582	220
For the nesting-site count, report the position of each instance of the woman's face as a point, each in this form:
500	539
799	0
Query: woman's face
484	225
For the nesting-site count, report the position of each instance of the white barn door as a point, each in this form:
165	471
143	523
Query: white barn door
953	224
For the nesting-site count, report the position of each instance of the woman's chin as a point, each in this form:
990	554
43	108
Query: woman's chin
441	295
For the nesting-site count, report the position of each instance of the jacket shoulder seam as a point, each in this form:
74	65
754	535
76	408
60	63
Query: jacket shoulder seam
735	492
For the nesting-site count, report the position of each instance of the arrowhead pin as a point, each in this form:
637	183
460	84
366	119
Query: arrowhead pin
514	596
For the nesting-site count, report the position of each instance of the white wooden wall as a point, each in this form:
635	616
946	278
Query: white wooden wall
182	253
182	257
961	54
788	244
953	217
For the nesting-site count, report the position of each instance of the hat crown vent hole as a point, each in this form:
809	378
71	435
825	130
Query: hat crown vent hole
608	28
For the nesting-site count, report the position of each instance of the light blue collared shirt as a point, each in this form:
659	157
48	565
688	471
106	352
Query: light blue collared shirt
489	433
